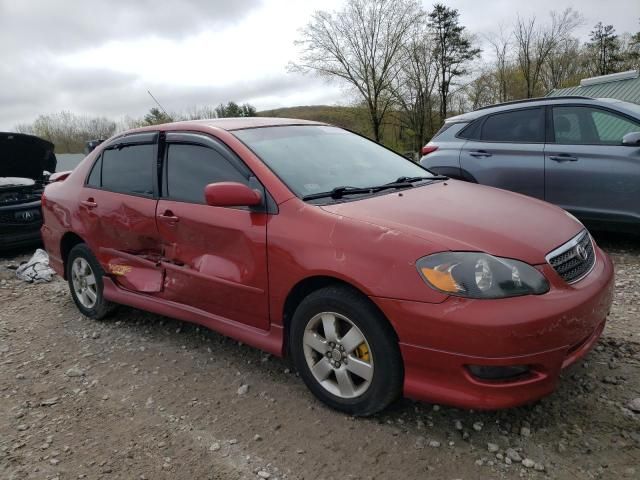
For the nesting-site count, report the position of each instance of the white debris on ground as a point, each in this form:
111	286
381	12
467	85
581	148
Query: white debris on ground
36	269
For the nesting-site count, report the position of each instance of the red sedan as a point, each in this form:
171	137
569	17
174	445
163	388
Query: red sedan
376	276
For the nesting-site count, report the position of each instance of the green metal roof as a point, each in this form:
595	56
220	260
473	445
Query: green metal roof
627	90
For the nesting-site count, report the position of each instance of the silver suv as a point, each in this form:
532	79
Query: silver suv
580	153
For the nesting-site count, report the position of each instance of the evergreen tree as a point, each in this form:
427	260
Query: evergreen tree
453	50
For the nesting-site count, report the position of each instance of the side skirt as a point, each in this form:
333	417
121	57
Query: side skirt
270	341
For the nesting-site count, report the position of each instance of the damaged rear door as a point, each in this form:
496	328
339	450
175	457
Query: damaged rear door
215	258
118	205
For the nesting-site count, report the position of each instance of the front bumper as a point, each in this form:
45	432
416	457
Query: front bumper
18	230
547	333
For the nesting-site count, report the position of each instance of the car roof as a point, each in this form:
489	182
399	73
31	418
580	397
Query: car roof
528	103
230	124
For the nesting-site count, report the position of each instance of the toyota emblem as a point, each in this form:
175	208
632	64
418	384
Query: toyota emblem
581	252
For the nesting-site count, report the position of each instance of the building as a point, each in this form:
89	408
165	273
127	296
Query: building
621	86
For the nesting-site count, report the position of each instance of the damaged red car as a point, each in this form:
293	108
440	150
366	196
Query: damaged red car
377	277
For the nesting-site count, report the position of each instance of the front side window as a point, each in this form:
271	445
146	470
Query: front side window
314	158
590	126
190	168
519	126
129	169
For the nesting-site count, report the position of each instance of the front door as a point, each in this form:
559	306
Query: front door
215	258
507	151
588	170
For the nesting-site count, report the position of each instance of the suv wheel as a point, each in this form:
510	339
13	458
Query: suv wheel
84	275
346	351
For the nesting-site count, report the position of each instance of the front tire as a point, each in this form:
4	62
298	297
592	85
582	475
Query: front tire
346	351
84	275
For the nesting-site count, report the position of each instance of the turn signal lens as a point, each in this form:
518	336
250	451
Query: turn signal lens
441	280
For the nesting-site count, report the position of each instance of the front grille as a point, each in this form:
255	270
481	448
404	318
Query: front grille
575	259
19	217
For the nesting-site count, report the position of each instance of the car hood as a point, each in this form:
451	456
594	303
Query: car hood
25	156
455	215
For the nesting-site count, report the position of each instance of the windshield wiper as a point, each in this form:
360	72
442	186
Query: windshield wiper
417	179
340	192
401	182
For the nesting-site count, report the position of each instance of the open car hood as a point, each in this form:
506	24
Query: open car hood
25	156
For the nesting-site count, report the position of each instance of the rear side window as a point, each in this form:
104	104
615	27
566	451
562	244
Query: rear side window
129	169
190	168
520	126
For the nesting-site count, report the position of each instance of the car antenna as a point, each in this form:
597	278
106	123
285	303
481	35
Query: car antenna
156	100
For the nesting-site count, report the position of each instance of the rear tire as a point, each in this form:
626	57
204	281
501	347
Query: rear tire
84	275
346	351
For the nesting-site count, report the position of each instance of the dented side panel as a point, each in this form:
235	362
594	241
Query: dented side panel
216	260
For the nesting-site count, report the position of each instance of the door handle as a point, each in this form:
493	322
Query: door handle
563	158
90	203
480	153
168	217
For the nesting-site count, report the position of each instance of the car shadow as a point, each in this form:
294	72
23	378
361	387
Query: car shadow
618	243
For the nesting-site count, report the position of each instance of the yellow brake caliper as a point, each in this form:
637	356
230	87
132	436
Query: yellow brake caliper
362	352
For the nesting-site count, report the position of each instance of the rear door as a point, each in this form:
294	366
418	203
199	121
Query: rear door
506	150
215	257
118	205
588	170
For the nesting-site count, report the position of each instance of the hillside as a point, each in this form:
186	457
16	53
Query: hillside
352	118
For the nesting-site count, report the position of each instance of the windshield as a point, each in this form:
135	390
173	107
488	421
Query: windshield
313	158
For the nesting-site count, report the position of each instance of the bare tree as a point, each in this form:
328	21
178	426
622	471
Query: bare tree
536	42
563	66
501	44
415	85
361	45
68	131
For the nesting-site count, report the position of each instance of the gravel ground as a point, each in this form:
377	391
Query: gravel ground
140	396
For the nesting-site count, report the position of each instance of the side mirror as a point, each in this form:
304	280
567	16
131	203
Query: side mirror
231	194
631	139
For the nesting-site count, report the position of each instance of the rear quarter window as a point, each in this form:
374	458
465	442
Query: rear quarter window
96	171
443	129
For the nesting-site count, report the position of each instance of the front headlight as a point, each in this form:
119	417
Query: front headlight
479	275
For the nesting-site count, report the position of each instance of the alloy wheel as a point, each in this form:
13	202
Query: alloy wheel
338	355
84	282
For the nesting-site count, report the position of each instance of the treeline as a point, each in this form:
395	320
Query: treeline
417	67
69	132
535	57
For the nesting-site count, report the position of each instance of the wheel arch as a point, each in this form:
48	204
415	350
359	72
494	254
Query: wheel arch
308	285
67	242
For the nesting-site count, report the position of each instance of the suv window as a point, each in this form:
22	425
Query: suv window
522	126
578	125
189	168
128	169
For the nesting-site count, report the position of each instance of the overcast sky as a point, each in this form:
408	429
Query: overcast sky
101	57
